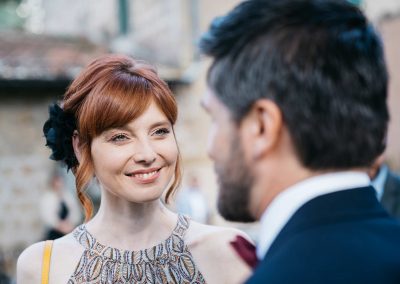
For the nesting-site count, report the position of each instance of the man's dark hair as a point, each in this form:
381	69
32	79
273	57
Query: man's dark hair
320	61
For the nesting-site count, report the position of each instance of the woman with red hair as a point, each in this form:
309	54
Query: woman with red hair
115	125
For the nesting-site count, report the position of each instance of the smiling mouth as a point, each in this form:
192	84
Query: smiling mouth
145	177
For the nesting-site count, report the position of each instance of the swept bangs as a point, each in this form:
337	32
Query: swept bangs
128	95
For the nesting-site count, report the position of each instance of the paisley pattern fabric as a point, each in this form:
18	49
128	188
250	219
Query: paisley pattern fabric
167	262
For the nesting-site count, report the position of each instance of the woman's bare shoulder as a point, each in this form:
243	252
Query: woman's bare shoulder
67	244
29	264
211	247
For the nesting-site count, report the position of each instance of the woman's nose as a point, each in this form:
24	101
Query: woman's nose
144	153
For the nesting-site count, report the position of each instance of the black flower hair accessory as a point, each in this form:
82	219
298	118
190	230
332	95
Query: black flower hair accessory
58	130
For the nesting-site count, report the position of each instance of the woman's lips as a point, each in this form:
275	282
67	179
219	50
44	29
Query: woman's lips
145	176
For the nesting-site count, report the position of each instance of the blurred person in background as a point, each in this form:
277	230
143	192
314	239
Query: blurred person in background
297	99
4	278
387	185
116	124
59	210
192	202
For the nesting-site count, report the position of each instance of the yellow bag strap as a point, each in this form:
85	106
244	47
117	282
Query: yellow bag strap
48	245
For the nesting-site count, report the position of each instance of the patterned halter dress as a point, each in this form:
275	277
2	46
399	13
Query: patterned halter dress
167	262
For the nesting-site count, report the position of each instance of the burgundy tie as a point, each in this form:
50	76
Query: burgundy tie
246	250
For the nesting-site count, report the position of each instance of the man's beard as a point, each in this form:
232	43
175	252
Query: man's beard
235	183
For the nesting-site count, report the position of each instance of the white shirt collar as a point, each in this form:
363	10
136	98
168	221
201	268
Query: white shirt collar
283	207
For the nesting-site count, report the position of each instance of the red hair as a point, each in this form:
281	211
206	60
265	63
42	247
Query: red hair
110	92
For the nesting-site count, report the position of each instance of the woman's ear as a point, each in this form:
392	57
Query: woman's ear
76	145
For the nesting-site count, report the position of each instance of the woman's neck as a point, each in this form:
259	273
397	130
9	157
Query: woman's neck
131	226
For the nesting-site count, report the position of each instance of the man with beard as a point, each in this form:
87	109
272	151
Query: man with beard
297	96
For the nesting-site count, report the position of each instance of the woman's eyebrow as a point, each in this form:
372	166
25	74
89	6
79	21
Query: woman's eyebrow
130	129
160	123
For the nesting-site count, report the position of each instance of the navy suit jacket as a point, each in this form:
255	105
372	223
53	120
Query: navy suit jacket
341	237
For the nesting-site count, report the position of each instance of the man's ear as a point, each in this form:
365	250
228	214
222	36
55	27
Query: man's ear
265	126
76	145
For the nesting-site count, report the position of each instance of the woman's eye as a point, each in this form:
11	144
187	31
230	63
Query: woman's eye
119	137
162	131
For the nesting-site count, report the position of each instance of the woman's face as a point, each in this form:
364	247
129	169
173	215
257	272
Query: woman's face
137	161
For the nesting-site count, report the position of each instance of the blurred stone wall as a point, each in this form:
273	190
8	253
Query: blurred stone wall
24	168
92	19
24	173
